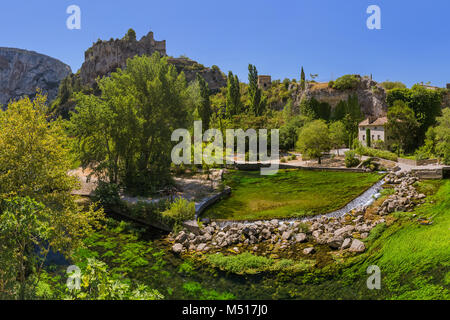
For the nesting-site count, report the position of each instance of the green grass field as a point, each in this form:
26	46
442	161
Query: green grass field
289	193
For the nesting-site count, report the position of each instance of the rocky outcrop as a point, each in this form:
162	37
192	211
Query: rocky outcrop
23	72
105	57
371	96
213	76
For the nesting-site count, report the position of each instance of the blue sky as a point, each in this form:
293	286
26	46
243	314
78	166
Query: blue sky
327	37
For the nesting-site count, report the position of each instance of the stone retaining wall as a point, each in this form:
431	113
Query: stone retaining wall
258	166
412	162
429	174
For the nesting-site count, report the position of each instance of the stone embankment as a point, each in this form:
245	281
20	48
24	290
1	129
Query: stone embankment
339	233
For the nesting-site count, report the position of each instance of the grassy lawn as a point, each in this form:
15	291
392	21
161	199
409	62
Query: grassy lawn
289	193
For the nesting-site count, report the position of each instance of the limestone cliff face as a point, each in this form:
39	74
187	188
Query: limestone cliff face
371	96
105	57
22	72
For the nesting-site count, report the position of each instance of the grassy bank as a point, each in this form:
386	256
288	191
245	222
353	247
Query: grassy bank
289	193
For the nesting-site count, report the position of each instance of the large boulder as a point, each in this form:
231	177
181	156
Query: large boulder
357	246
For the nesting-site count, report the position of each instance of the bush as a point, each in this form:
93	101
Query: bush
179	211
370	152
351	160
349	81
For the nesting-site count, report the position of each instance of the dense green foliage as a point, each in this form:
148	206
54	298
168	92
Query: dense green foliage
37	212
425	103
298	193
389	85
401	127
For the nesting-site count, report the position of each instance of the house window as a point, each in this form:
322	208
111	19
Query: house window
364	137
378	137
373	137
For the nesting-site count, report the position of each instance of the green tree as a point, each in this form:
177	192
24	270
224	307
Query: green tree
256	98
289	132
338	134
314	140
369	138
302	79
131	35
204	109
125	134
233	96
401	127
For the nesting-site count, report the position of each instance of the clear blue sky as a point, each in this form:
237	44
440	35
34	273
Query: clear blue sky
327	37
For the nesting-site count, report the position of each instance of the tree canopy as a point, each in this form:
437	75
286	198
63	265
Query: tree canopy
125	134
314	139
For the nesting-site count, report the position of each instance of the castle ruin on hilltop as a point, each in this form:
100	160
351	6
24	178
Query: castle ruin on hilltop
106	56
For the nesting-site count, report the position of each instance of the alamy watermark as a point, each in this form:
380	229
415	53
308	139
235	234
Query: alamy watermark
374	280
74	280
74	20
213	153
374	20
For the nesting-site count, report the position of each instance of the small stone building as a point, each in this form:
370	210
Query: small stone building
264	82
376	129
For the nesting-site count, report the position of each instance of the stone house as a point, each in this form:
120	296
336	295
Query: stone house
264	82
376	129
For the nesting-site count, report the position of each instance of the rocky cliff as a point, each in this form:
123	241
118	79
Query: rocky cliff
105	57
371	96
22	72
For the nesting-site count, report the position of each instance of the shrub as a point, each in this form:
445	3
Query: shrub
331	84
349	81
107	194
350	159
283	160
370	164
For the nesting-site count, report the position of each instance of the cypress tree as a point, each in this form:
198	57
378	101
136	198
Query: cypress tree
204	109
255	93
302	79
